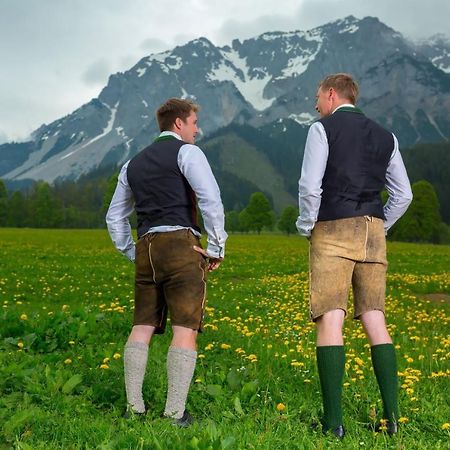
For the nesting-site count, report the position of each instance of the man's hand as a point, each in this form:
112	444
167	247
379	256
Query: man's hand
213	263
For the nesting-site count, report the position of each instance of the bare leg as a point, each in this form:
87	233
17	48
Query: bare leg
329	328
375	328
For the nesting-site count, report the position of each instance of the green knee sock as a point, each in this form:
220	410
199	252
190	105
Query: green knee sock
385	367
331	364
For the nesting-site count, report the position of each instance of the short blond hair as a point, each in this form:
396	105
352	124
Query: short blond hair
343	84
172	109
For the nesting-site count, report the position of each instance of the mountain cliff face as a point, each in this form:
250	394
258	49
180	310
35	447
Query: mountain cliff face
266	81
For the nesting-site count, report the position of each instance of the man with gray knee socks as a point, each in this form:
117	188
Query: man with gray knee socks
164	183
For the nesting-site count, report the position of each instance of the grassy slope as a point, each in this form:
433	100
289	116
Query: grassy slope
76	293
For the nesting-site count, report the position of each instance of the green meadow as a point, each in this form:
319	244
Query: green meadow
67	301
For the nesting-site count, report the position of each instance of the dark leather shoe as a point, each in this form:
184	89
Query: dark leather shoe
184	421
339	431
131	414
390	427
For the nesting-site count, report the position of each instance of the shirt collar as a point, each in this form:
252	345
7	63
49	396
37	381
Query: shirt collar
346	105
170	133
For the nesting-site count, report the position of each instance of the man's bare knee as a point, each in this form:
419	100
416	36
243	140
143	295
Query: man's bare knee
374	325
184	337
329	328
141	333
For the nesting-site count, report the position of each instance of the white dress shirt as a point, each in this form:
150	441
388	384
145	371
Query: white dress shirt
197	171
313	169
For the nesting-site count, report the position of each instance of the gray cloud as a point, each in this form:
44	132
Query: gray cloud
97	73
58	55
3	137
154	45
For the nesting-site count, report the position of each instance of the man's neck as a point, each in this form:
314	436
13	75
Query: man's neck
170	133
343	105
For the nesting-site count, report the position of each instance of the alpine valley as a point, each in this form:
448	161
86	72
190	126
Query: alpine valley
257	99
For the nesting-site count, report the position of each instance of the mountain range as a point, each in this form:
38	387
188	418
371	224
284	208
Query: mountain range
257	98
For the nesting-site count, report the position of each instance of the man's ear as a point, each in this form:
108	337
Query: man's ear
331	93
177	123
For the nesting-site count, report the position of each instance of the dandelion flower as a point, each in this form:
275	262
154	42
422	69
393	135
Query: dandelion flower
117	356
104	366
281	407
67	361
23	317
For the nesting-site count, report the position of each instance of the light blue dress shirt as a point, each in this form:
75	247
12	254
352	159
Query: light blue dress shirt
197	171
313	169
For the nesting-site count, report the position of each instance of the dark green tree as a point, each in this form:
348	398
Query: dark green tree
244	221
232	221
110	188
17	210
288	217
45	209
3	204
422	221
259	212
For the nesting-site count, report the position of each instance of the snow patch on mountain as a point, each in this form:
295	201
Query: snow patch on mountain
303	118
442	62
108	129
251	88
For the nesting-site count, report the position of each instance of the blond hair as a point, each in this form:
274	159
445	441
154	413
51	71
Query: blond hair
343	84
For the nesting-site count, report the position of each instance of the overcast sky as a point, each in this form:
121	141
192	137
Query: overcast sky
56	55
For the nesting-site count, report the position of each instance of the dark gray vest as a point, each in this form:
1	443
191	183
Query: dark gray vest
359	153
162	194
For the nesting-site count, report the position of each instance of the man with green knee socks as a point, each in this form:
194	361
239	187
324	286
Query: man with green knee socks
348	160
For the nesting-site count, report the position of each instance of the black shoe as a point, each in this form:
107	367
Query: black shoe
184	421
339	431
131	414
389	427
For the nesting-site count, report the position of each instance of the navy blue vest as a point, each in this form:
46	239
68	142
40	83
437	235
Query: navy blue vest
359	153
162	194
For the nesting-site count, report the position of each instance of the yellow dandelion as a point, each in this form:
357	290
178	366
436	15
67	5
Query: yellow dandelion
403	420
67	361
72	342
20	344
225	346
23	317
104	366
117	356
105	360
281	407
445	426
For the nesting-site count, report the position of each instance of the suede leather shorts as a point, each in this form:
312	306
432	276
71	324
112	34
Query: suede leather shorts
344	253
170	279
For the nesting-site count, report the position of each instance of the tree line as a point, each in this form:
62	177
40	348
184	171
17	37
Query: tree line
84	205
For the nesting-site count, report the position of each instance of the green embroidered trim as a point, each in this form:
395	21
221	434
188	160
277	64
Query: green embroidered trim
349	109
168	137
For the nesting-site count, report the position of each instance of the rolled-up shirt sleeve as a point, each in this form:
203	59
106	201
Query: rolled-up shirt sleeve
398	188
310	183
195	167
117	217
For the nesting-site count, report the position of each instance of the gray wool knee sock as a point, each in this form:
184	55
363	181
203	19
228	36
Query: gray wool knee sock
180	369
135	362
